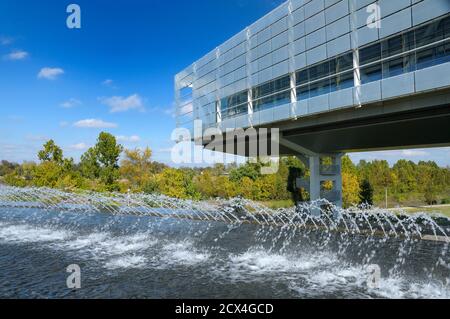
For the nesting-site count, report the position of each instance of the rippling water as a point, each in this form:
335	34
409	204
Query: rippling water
149	257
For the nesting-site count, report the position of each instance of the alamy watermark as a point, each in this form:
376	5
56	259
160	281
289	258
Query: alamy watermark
374	19
74	19
74	279
373	281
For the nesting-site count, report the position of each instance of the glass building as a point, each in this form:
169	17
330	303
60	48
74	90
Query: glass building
307	57
334	76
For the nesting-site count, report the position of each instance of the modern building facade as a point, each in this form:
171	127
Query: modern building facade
311	66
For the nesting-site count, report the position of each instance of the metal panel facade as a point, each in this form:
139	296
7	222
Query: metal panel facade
305	38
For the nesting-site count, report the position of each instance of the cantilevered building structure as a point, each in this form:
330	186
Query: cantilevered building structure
334	76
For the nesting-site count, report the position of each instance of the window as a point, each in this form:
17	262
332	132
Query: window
234	105
326	77
398	66
392	46
370	54
430	33
302	77
442	53
280	84
185	95
343	63
371	73
342	81
303	92
433	56
319	71
319	88
272	101
272	94
446	27
398	44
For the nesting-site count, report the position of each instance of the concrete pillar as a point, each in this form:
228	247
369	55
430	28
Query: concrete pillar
314	179
322	173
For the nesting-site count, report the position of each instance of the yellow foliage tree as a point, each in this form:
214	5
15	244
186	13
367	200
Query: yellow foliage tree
246	188
136	168
171	183
350	189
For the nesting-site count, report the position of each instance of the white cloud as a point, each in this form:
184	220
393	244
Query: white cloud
129	139
94	123
79	147
50	73
36	138
70	103
414	153
123	104
16	55
5	40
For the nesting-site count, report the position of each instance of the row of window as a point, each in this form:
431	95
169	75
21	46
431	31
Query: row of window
280	84
337	73
329	85
407	41
234	105
421	59
332	75
330	67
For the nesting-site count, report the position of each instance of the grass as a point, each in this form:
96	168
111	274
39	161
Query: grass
441	209
277	204
444	210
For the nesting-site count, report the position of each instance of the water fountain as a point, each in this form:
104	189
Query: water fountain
233	244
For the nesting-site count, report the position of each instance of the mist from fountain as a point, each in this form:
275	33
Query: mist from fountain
238	240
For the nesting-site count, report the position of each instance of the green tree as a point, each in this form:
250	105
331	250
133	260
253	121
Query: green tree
51	153
366	194
90	167
250	170
102	161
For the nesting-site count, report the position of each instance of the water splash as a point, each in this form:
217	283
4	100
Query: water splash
237	242
363	221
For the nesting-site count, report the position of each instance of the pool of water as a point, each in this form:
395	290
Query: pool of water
149	257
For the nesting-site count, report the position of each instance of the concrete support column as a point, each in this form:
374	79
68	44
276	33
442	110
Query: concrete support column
314	179
320	173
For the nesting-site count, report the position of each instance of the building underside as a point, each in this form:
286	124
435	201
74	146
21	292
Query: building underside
419	121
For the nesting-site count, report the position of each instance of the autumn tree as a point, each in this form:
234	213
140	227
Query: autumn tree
350	182
136	167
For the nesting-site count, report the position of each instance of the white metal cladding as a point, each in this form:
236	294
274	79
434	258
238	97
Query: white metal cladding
296	35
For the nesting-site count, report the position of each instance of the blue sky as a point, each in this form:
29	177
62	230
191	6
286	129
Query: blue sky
115	74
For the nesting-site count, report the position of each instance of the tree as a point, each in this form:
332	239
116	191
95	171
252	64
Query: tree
90	167
7	167
51	153
171	183
136	167
250	170
108	151
366	194
102	160
350	183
